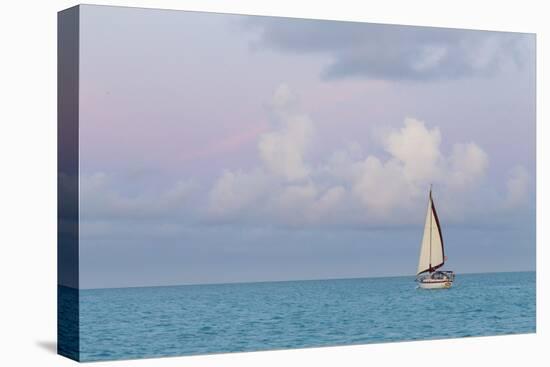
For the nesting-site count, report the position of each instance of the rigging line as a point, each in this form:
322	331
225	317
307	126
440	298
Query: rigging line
431	218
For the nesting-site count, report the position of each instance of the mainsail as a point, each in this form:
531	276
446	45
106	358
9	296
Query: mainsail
432	253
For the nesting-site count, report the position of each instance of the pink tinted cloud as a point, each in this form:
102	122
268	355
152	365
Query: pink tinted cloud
226	144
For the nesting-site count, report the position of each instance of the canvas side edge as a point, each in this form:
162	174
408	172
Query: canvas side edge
68	45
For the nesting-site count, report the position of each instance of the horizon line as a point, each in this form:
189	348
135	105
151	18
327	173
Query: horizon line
282	281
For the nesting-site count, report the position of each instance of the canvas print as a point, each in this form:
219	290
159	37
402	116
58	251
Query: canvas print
233	183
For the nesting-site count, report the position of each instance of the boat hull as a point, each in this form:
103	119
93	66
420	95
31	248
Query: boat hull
443	284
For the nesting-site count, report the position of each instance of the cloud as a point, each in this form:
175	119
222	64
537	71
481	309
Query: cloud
349	186
101	201
517	187
305	204
235	192
282	150
282	186
415	161
382	186
468	162
417	148
393	52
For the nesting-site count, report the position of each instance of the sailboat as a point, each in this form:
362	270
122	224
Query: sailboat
432	254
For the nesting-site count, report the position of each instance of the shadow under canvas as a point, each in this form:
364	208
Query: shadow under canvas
48	345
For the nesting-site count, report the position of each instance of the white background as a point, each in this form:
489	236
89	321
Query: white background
28	183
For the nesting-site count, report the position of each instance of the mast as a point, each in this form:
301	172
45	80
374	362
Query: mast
431	204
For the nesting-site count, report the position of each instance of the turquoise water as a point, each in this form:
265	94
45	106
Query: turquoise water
128	323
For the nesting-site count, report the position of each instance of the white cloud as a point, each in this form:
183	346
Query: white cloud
468	163
381	186
300	204
517	187
350	186
100	200
417	148
284	100
415	162
282	150
330	199
282	186
235	192
291	204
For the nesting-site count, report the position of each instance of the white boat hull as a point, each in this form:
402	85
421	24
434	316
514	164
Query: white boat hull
440	284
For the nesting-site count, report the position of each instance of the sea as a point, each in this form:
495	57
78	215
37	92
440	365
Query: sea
127	323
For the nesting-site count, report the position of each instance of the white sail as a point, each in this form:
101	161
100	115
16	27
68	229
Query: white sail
432	254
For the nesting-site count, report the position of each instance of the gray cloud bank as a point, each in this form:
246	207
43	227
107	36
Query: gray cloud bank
393	52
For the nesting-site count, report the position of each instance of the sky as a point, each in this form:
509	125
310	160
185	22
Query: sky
221	148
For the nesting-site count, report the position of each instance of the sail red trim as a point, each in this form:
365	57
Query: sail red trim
440	236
